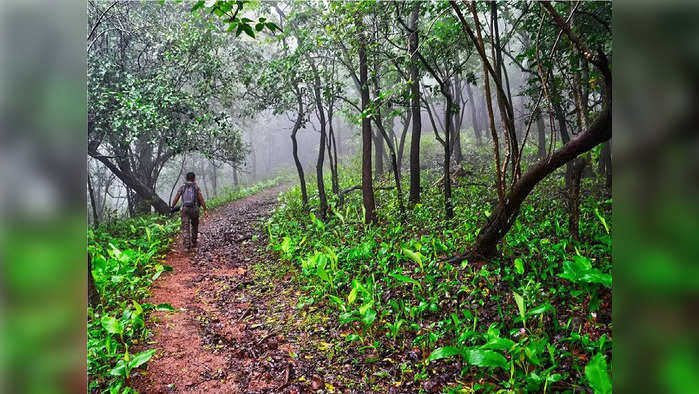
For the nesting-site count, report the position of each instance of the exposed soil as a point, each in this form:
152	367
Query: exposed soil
218	340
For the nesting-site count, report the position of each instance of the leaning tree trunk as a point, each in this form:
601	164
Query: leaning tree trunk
598	132
505	214
144	196
415	106
367	187
401	144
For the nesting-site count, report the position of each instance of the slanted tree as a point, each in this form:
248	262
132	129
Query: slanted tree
600	130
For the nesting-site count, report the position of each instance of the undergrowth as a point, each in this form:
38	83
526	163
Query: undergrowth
537	318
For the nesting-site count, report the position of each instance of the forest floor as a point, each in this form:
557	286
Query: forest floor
235	328
217	339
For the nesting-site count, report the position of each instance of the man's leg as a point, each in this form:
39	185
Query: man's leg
185	228
195	226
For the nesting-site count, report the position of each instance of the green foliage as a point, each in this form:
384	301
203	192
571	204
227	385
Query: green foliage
390	280
597	375
125	262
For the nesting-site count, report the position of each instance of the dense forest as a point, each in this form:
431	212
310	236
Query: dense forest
406	196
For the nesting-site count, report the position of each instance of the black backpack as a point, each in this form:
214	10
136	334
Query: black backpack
189	196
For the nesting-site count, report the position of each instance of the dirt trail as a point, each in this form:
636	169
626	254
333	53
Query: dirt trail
216	340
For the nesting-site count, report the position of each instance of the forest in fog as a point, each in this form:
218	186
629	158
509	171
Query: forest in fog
441	175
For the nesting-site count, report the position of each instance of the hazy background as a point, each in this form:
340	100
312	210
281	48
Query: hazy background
43	216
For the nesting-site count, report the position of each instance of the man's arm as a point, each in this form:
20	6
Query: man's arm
177	197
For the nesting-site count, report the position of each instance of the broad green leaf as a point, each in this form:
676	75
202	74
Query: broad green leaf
520	305
444	352
543	308
519	266
365	307
112	325
485	358
601	219
369	317
416	257
165	307
597	375
120	369
352	296
141	358
406	279
503	344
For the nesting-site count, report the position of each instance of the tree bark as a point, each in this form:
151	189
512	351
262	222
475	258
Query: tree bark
401	145
541	133
576	169
415	106
367	187
505	214
379	153
332	150
93	296
394	161
456	134
95	216
321	147
295	148
144	193
474	116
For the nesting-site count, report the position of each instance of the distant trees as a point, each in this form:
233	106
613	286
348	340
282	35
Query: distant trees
157	86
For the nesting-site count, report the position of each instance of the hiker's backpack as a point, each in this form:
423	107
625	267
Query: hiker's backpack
189	196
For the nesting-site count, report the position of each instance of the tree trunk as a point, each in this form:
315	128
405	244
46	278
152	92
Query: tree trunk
321	147
179	174
401	145
448	207
144	197
367	187
456	132
394	161
415	106
332	151
474	116
214	179
379	153
576	169
541	132
606	162
295	149
505	213
93	296
95	216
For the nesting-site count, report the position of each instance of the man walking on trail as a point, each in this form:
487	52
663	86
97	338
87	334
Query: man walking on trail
191	200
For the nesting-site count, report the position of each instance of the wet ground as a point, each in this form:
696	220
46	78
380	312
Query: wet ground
219	339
